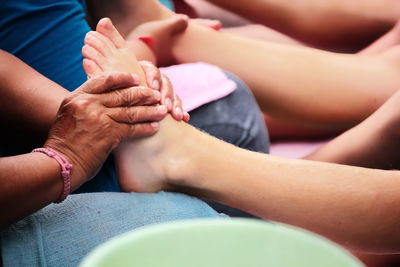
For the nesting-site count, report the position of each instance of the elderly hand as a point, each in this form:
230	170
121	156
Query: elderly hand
95	118
158	81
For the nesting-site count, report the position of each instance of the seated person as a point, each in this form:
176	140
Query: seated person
90	123
49	35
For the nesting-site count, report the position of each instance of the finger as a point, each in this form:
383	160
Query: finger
108	81
153	75
167	93
177	111
137	114
140	130
139	95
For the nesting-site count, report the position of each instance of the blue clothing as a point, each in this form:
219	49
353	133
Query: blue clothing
47	35
167	3
62	234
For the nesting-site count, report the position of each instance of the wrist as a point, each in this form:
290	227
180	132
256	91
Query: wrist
78	175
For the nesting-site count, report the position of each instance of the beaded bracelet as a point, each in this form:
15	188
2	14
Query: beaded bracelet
66	168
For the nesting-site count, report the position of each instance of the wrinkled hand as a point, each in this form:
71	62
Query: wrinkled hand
96	117
161	34
160	82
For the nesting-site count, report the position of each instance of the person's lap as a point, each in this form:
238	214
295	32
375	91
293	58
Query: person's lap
62	234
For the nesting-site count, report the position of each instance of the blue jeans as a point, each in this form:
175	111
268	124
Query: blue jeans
62	234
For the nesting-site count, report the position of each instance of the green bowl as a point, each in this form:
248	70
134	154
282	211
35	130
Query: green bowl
219	243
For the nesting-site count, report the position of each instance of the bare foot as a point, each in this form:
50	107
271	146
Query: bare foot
143	165
105	50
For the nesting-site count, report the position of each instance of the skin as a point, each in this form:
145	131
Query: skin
326	198
83	116
78	134
343	87
335	24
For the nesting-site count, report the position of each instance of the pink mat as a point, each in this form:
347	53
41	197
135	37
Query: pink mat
198	83
295	149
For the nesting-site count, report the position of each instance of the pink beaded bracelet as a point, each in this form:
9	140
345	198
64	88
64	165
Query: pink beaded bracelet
66	168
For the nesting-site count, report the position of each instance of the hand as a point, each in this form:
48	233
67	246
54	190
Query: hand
158	81
96	117
160	36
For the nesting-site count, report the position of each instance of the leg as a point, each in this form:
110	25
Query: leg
242	126
329	199
65	233
262	33
281	88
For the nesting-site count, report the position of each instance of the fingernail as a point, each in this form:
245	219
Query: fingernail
155	124
168	103
157	95
162	109
156	85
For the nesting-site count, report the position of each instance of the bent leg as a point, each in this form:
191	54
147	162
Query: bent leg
62	234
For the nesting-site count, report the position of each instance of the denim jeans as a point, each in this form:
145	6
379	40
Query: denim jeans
62	234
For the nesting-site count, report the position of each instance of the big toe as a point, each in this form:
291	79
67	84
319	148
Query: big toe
107	28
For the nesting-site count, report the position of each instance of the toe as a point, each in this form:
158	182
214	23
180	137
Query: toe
106	28
91	68
99	42
93	54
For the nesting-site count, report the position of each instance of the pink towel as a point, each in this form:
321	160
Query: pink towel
198	83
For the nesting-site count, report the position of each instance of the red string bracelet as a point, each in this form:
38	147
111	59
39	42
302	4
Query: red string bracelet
66	168
147	40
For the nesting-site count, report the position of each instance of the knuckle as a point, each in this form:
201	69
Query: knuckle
132	114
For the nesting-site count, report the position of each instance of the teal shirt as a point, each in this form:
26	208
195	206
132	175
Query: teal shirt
167	3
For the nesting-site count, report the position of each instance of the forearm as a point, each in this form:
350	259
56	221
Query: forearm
29	182
25	93
285	78
323	23
355	207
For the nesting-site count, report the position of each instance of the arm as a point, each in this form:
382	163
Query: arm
24	94
333	23
31	181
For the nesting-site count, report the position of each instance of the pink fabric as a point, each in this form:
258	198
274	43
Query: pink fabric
295	149
198	83
66	168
